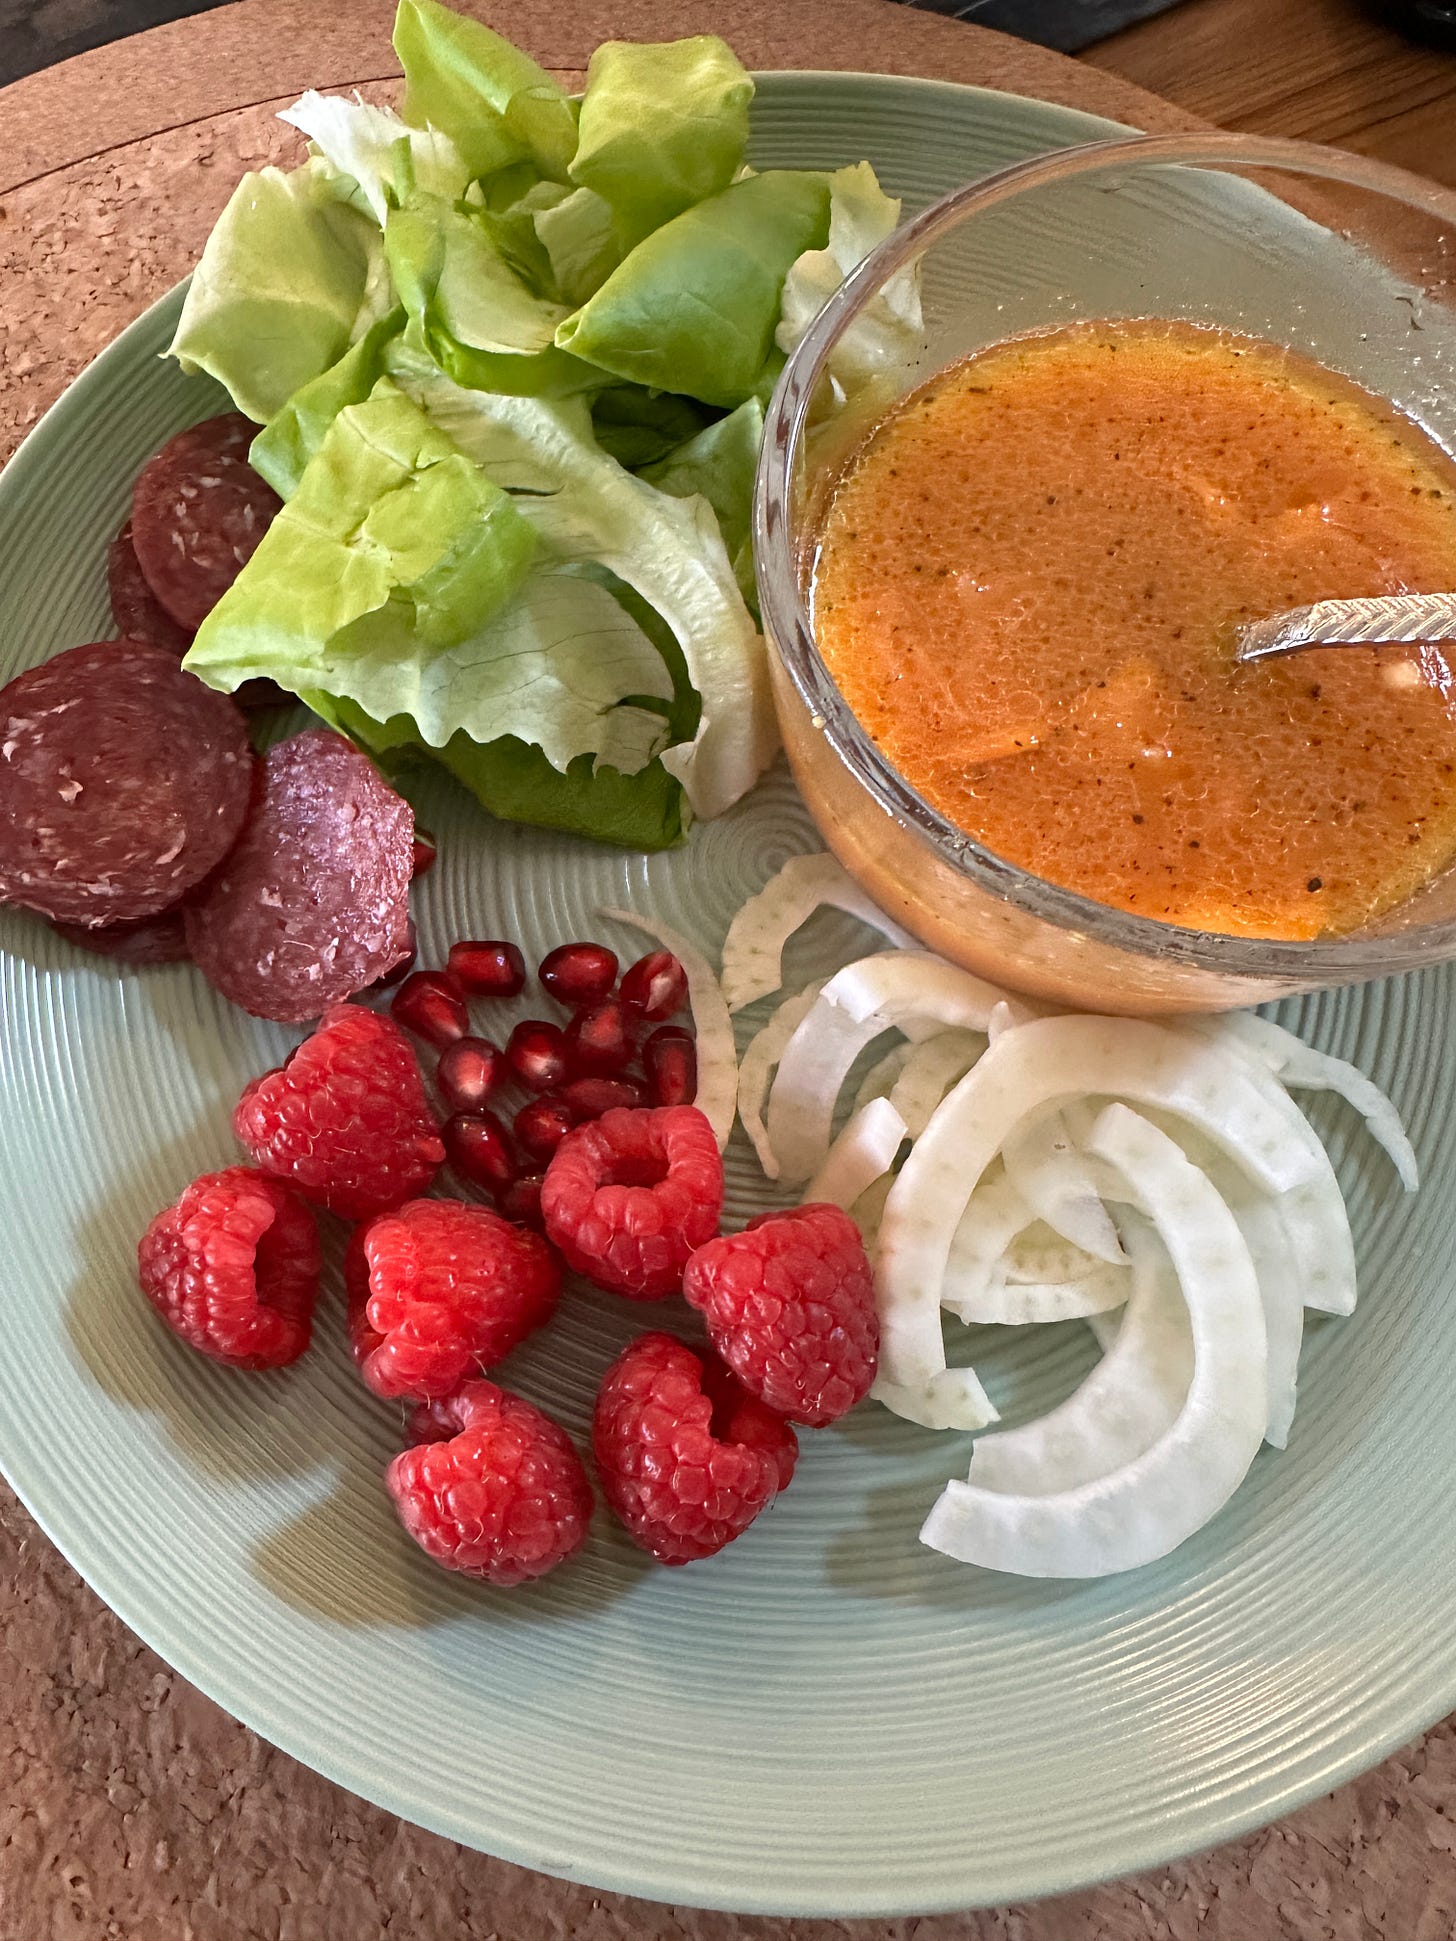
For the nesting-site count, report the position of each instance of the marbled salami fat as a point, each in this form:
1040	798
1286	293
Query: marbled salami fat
145	940
313	904
123	782
198	510
137	611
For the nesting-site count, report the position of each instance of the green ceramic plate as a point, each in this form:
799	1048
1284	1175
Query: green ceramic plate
826	1719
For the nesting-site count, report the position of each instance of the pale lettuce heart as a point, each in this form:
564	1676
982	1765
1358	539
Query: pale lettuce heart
362	142
889	330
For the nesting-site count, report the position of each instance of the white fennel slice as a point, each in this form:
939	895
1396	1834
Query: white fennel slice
753	951
1152	1503
869	1208
717	1097
1304	1069
756	1070
906	991
1050	1062
880	1080
1130	1399
1048	1170
978	1288
927	1072
865	1151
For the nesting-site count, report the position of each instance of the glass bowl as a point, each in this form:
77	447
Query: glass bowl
1346	261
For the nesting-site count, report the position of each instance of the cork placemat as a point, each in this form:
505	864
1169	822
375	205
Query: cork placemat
130	1806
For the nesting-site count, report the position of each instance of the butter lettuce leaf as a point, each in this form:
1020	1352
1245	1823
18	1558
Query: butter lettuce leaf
888	332
378	155
694	308
492	100
584	507
662	126
282	450
718	463
278	293
400	578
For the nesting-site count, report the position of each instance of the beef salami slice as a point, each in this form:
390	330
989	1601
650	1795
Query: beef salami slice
146	940
123	782
198	510
137	611
313	904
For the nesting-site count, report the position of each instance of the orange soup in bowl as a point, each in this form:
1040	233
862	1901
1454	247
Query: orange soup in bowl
1027	586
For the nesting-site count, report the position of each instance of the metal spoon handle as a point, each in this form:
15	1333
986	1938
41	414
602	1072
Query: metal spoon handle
1349	623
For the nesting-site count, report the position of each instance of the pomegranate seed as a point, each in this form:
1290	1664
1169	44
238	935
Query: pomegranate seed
655	986
469	1072
670	1060
478	1148
542	1124
432	1005
589	1098
579	973
536	1053
488	969
402	969
599	1039
521	1201
426	850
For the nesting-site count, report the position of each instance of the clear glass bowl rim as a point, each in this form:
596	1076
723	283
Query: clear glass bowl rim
786	618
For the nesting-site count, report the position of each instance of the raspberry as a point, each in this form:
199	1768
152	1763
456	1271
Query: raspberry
439	1289
345	1120
628	1197
790	1306
233	1268
686	1458
493	1488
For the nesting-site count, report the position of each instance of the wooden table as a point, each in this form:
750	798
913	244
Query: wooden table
129	1805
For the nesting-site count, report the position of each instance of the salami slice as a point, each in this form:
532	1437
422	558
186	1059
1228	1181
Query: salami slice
123	782
146	940
198	510
313	904
138	613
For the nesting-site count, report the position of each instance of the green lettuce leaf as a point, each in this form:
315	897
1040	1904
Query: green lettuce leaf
491	100
282	450
719	464
636	426
276	298
585	507
694	307
515	782
889	330
662	126
363	144
576	231
479	319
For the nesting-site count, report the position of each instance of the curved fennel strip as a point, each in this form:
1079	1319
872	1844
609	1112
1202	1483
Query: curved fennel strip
1043	1063
1303	1068
753	951
1047	1168
1150	1504
1130	1399
908	991
755	1072
863	1152
717	1097
978	1288
879	1081
928	1071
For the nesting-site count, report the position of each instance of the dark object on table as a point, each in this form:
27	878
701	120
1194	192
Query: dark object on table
1427	20
1068	25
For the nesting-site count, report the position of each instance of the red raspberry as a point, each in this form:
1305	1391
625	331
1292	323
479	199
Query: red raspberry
233	1268
628	1197
790	1306
440	1289
345	1119
686	1458
493	1488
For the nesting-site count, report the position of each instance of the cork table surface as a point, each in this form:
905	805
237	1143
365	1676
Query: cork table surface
130	1806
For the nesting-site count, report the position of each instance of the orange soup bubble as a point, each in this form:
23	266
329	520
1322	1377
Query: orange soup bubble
1027	587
